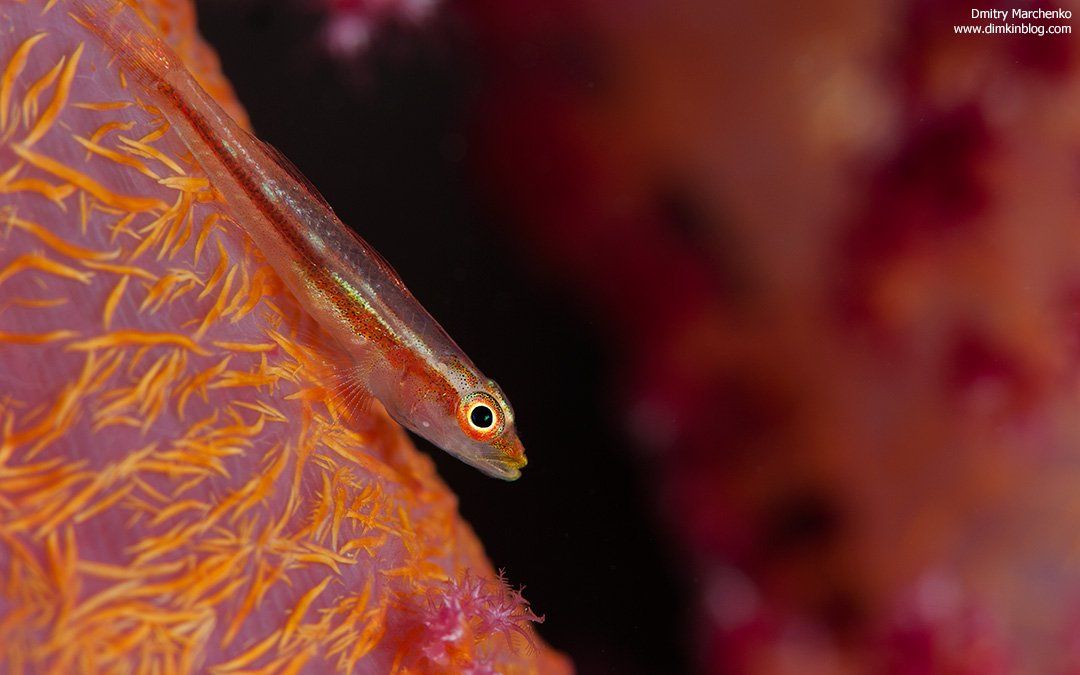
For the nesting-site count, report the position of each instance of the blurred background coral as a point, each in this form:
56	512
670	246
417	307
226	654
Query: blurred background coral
786	297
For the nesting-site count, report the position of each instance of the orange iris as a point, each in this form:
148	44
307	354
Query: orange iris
480	416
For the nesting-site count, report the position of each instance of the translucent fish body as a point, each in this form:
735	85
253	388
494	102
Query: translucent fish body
392	347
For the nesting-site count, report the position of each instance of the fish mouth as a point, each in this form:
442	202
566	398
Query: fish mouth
508	469
509	459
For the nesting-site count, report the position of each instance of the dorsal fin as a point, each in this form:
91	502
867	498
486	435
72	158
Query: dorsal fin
285	163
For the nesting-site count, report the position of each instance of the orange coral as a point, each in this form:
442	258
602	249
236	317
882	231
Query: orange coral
177	492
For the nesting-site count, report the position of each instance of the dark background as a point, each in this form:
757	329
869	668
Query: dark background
385	138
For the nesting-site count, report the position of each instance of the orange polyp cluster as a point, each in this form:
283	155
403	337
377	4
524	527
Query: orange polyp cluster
176	491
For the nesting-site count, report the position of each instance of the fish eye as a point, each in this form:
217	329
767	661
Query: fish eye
480	416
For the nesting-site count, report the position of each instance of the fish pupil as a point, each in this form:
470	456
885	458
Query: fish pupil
482	417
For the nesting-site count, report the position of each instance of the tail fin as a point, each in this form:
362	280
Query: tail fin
134	39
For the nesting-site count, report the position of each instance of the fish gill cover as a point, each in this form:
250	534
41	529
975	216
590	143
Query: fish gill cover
178	492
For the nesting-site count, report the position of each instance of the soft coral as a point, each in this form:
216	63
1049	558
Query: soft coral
468	612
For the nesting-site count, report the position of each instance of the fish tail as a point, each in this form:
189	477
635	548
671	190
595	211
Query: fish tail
124	28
